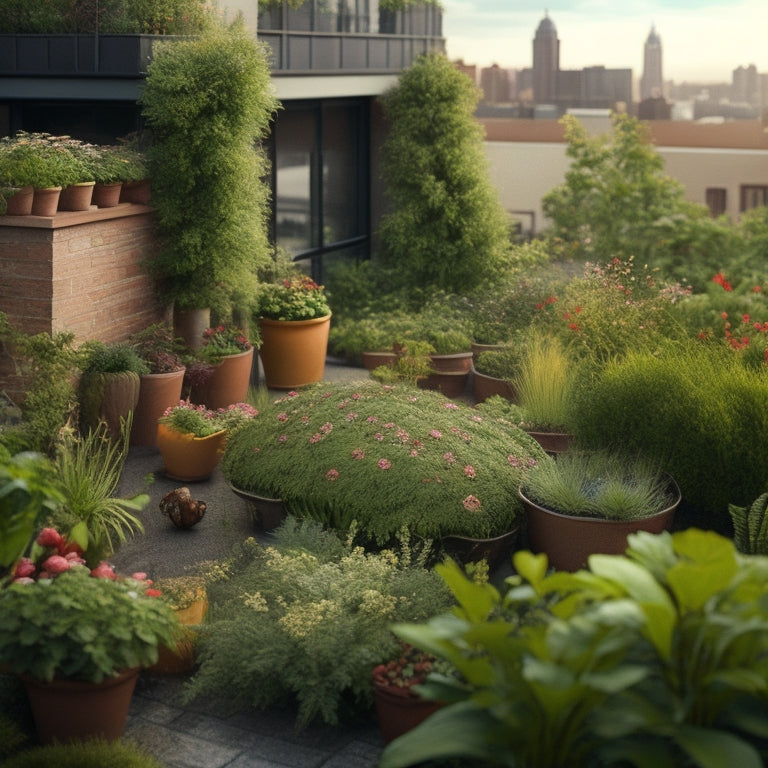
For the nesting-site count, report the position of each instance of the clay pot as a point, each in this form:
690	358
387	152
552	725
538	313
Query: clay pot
20	202
293	351
108	397
76	197
227	384
157	392
398	713
45	202
139	192
189	458
107	195
484	386
449	383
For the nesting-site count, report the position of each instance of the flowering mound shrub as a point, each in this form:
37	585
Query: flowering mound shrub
201	421
385	457
295	298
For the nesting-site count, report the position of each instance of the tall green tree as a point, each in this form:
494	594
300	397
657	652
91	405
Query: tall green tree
446	227
209	102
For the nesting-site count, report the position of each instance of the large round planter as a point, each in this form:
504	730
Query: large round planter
568	541
373	360
478	349
399	713
69	710
18	201
190	324
460	362
484	386
189	458
553	442
293	351
107	195
157	393
136	192
76	197
108	397
267	513
452	384
45	202
493	550
227	384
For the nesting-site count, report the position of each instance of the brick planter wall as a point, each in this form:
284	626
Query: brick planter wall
80	272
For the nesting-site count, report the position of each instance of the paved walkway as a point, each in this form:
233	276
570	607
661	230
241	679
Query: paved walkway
214	734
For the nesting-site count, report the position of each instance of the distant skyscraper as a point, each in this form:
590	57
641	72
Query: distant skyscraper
546	62
652	83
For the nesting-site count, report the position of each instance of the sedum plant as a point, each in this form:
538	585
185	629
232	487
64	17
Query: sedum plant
653	658
306	620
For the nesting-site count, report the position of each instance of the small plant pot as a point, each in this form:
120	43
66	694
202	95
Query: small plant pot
553	442
493	550
484	386
18	201
460	362
157	392
189	458
139	192
398	713
372	360
69	710
227	384
106	195
268	513
45	202
76	197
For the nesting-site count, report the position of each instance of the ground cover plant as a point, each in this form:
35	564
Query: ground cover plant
384	458
305	620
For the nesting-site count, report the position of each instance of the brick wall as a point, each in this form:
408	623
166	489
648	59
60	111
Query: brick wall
80	272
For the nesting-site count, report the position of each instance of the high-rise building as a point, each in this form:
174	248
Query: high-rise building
546	62
746	85
652	82
495	84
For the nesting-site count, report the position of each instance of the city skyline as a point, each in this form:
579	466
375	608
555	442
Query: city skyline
702	40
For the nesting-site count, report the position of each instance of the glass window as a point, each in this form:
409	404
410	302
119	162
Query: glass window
753	196
716	199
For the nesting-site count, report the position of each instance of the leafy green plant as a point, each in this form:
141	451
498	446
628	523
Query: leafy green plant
209	103
201	421
446	227
696	410
653	658
80	627
41	160
500	363
750	526
294	298
88	470
412	363
93	753
599	484
317	610
100	357
158	348
385	458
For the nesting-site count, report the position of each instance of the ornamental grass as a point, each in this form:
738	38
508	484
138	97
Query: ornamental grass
385	458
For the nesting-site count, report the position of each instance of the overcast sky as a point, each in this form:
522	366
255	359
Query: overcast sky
701	41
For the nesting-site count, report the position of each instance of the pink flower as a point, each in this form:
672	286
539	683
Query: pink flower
25	567
358	453
256	449
49	537
451	406
316	438
56	564
384	463
103	571
513	461
378	436
389	425
414	452
351	416
139	576
282	416
469	471
326	428
332	474
356	396
436	433
371	419
471	503
282	438
23	580
448	456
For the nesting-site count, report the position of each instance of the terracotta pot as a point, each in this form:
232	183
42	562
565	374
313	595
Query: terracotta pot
108	397
467	550
293	351
553	442
180	660
45	202
568	540
372	360
76	197
189	458
484	386
227	384
157	392
107	195
449	383
190	324
136	192
459	362
478	349
68	710
268	513
397	714
20	202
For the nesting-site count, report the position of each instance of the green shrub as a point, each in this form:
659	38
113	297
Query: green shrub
386	458
307	620
88	754
698	411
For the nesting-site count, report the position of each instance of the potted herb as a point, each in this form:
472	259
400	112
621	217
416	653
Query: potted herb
109	384
581	503
294	320
160	388
399	708
384	457
221	371
108	166
78	643
191	437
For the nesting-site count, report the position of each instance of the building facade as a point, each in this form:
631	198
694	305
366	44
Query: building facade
330	60
652	80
